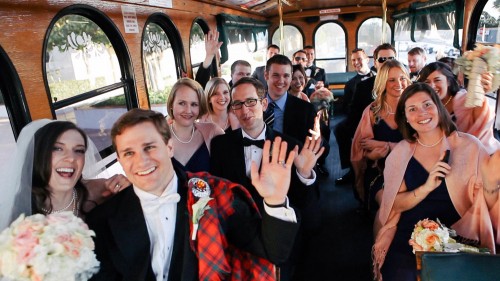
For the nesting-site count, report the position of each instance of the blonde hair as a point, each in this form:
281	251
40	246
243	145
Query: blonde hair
379	88
210	89
190	83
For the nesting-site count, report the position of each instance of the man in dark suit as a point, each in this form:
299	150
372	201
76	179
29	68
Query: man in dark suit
292	116
285	113
258	73
146	232
232	153
362	98
313	71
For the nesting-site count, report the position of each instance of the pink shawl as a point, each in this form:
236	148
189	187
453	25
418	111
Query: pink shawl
482	127
358	160
464	186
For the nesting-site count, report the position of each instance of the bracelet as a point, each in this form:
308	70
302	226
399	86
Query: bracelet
492	191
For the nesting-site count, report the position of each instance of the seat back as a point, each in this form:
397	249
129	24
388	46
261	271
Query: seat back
460	266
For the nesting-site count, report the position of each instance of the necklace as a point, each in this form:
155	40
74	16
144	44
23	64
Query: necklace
185	142
227	121
430	145
389	109
74	199
448	101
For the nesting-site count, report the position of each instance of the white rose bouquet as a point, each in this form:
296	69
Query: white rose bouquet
47	248
473	64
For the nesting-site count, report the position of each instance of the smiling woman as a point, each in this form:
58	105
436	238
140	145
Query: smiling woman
191	140
49	164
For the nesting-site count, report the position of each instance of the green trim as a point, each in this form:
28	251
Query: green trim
433	7
227	22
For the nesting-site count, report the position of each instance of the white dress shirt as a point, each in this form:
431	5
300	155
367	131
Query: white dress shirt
160	215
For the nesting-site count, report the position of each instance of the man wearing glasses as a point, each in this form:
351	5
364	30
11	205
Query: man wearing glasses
233	153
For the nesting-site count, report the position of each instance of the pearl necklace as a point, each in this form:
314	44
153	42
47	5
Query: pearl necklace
74	202
185	142
430	145
448	101
227	121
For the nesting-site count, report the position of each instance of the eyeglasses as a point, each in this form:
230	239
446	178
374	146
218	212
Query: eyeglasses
383	59
299	58
248	103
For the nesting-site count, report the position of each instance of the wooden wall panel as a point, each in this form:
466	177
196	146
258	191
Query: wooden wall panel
25	22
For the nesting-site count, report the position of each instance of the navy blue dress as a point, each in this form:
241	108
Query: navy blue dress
374	179
200	161
400	262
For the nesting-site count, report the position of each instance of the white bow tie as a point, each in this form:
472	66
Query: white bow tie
152	206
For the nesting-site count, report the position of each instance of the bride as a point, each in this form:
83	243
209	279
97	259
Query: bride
52	158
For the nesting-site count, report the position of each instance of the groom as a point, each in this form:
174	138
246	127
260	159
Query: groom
146	232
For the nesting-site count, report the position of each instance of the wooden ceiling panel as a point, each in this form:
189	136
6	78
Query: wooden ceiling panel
268	8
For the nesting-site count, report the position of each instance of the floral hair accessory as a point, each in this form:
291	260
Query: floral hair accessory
49	248
473	64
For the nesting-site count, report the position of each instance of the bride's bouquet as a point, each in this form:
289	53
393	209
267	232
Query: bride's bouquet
432	236
473	64
47	248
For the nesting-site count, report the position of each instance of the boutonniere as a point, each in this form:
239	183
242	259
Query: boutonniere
200	189
316	71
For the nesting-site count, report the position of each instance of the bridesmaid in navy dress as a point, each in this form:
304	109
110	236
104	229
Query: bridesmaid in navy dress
377	131
420	184
191	139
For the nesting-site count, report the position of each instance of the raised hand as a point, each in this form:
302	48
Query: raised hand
273	181
437	174
308	156
212	46
316	131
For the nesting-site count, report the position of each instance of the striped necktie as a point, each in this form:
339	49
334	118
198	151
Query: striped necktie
269	115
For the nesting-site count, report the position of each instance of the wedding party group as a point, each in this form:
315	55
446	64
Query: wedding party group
225	186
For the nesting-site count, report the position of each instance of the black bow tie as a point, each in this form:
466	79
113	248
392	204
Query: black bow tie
249	142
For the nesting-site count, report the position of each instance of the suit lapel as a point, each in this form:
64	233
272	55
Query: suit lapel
236	157
130	233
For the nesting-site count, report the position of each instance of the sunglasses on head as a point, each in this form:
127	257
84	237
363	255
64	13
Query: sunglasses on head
383	59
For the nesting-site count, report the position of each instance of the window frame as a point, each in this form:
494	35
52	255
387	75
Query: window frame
204	26
121	50
345	58
13	95
174	38
282	50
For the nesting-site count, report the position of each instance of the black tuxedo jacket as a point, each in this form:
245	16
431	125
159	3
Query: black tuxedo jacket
361	99
318	74
298	118
123	246
227	160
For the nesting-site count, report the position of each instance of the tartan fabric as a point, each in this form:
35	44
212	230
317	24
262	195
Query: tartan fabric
219	260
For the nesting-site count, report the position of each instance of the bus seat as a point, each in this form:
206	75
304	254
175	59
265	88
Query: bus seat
336	83
460	266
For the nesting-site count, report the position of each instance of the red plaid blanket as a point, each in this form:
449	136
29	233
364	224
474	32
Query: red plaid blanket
219	260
